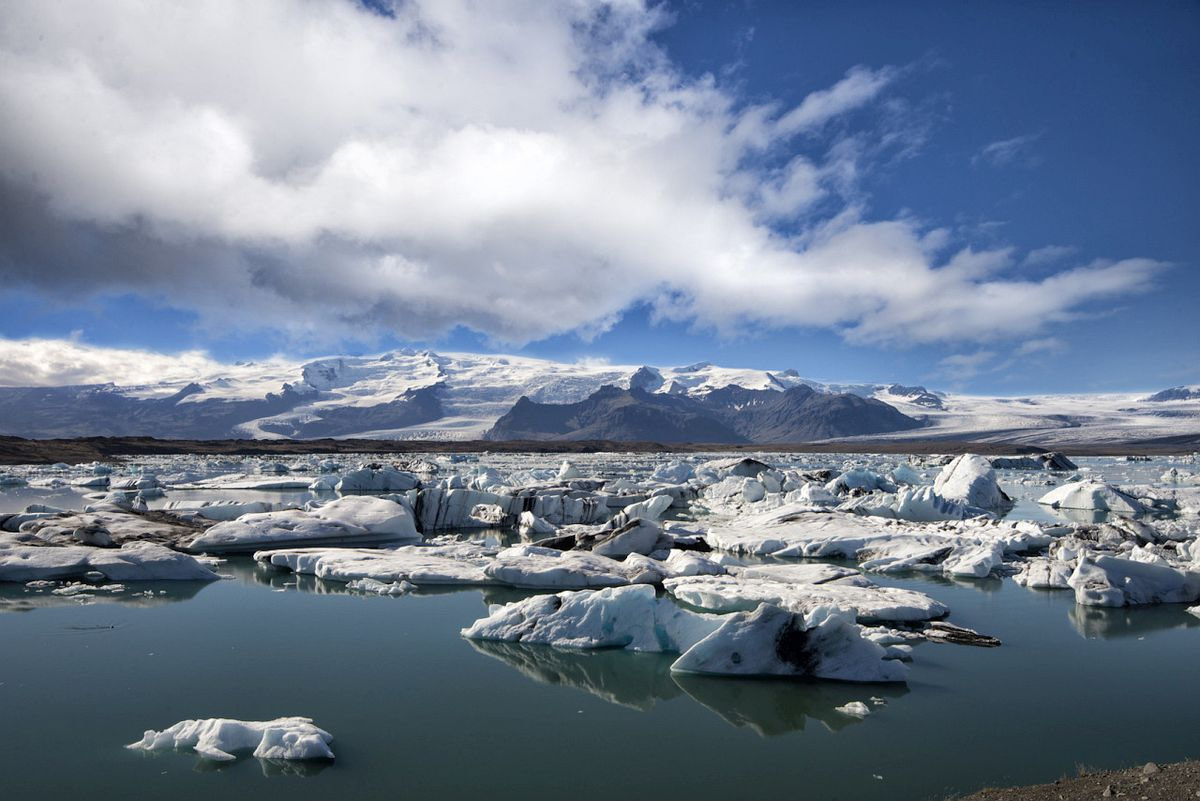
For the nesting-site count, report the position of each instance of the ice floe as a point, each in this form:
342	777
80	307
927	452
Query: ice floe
352	520
221	739
134	561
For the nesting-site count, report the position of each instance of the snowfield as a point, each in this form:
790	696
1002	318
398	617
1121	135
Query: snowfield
459	396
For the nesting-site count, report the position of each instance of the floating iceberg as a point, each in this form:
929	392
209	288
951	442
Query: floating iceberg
1111	581
134	561
971	480
826	643
421	565
353	520
378	479
619	617
870	603
220	739
1095	496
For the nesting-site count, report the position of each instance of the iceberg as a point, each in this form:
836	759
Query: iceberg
220	739
134	561
1111	581
353	520
1095	496
870	603
971	480
619	617
420	565
825	643
378	479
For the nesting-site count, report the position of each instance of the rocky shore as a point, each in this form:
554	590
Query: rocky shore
1149	782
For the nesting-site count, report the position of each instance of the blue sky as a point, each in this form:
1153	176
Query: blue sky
1052	138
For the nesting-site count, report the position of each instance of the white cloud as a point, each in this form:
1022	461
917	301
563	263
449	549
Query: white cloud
1048	345
961	367
521	168
1001	153
57	362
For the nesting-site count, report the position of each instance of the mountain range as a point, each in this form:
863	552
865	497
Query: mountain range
426	395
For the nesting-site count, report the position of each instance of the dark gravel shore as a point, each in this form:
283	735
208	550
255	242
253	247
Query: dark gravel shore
17	450
1150	782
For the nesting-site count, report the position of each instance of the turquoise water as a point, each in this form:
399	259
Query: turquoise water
415	709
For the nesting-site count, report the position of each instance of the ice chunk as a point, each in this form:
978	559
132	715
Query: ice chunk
353	520
637	536
859	478
134	561
531	567
619	617
1093	496
568	471
854	709
770	641
1111	581
421	565
971	480
672	473
745	592
378	479
221	738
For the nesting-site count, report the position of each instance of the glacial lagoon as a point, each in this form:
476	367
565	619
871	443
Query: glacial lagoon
417	709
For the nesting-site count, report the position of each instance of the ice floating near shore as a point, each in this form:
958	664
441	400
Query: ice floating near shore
1110	581
967	548
619	617
353	520
770	641
421	565
220	739
869	603
134	561
826	643
971	480
1093	496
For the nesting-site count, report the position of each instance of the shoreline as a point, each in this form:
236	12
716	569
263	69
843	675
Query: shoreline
18	450
1151	781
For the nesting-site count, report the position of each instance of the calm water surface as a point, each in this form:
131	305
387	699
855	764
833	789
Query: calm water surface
417	710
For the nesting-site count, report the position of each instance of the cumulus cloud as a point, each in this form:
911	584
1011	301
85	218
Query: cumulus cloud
57	362
521	168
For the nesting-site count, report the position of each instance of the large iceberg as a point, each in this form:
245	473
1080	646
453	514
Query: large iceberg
826	643
353	520
1111	581
632	618
971	480
220	739
1095	496
134	561
421	565
870	603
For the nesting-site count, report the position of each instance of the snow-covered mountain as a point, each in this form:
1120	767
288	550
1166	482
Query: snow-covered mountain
426	395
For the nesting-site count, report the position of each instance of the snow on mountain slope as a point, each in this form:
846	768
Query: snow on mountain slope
1048	420
471	391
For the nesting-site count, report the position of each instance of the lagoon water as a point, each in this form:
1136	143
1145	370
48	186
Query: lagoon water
418	711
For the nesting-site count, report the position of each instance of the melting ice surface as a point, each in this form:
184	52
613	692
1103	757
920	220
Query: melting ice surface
417	709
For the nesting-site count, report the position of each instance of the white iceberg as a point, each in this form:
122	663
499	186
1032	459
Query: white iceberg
134	561
378	479
1094	496
421	565
870	603
619	617
971	480
826	643
220	739
353	520
1111	581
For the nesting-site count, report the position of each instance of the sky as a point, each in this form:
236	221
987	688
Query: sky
998	198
